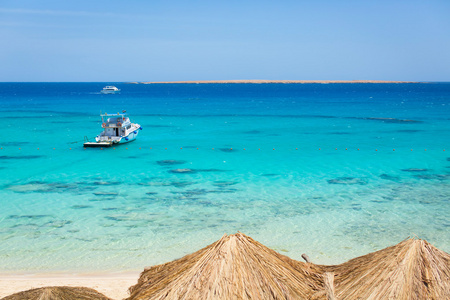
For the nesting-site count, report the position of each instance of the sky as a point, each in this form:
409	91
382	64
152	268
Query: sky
161	40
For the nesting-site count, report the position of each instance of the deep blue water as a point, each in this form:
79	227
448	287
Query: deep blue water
332	170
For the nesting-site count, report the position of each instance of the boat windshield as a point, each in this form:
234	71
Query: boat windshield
115	120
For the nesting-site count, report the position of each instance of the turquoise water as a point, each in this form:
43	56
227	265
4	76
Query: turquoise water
302	168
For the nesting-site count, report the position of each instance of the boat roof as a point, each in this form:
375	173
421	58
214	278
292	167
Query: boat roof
113	115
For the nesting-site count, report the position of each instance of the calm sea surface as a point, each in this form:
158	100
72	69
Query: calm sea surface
302	168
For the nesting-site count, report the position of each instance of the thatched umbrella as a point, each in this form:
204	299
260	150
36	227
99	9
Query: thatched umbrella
412	269
58	293
235	267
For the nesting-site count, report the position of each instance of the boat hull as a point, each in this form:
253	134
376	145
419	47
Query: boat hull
130	137
108	143
110	92
97	144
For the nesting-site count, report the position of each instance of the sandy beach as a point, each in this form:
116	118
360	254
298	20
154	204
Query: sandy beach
276	81
239	267
114	286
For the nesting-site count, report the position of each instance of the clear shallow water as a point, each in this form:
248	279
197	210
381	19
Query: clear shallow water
121	209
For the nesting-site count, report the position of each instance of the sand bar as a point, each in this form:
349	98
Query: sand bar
114	286
275	81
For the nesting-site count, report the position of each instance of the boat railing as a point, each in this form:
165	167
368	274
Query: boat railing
109	124
109	138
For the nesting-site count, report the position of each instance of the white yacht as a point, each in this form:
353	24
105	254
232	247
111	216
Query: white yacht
117	129
110	90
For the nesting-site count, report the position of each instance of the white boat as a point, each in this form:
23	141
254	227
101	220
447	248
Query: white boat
117	129
110	90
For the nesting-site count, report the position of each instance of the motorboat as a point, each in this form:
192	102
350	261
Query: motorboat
110	90
117	129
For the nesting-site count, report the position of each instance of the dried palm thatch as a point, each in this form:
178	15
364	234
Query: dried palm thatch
58	293
235	267
412	269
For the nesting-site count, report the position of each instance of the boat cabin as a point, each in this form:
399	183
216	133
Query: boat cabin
117	129
109	90
115	126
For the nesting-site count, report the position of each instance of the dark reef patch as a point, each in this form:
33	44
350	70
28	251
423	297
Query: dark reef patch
192	171
57	224
414	170
320	117
44	187
192	193
126	217
182	171
389	177
30	217
433	176
409	131
223	191
106	182
170	162
178	184
201	192
181	184
28	226
6	157
101	199
80	206
14	143
155	183
391	120
252	132
227	150
105	194
356	207
117	218
379	201
206	203
210	170
224	183
347	181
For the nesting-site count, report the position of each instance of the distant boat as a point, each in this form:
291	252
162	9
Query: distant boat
110	90
117	130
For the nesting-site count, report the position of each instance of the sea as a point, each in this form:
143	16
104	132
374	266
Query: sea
331	170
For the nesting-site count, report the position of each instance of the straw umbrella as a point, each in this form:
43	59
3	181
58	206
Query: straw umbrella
58	293
235	267
412	269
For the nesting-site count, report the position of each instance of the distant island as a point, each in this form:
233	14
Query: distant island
274	81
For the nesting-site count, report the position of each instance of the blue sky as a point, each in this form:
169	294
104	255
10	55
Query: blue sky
157	40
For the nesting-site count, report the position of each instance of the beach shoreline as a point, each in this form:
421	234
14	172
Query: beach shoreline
258	81
113	285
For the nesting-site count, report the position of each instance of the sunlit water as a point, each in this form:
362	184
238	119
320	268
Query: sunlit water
302	168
